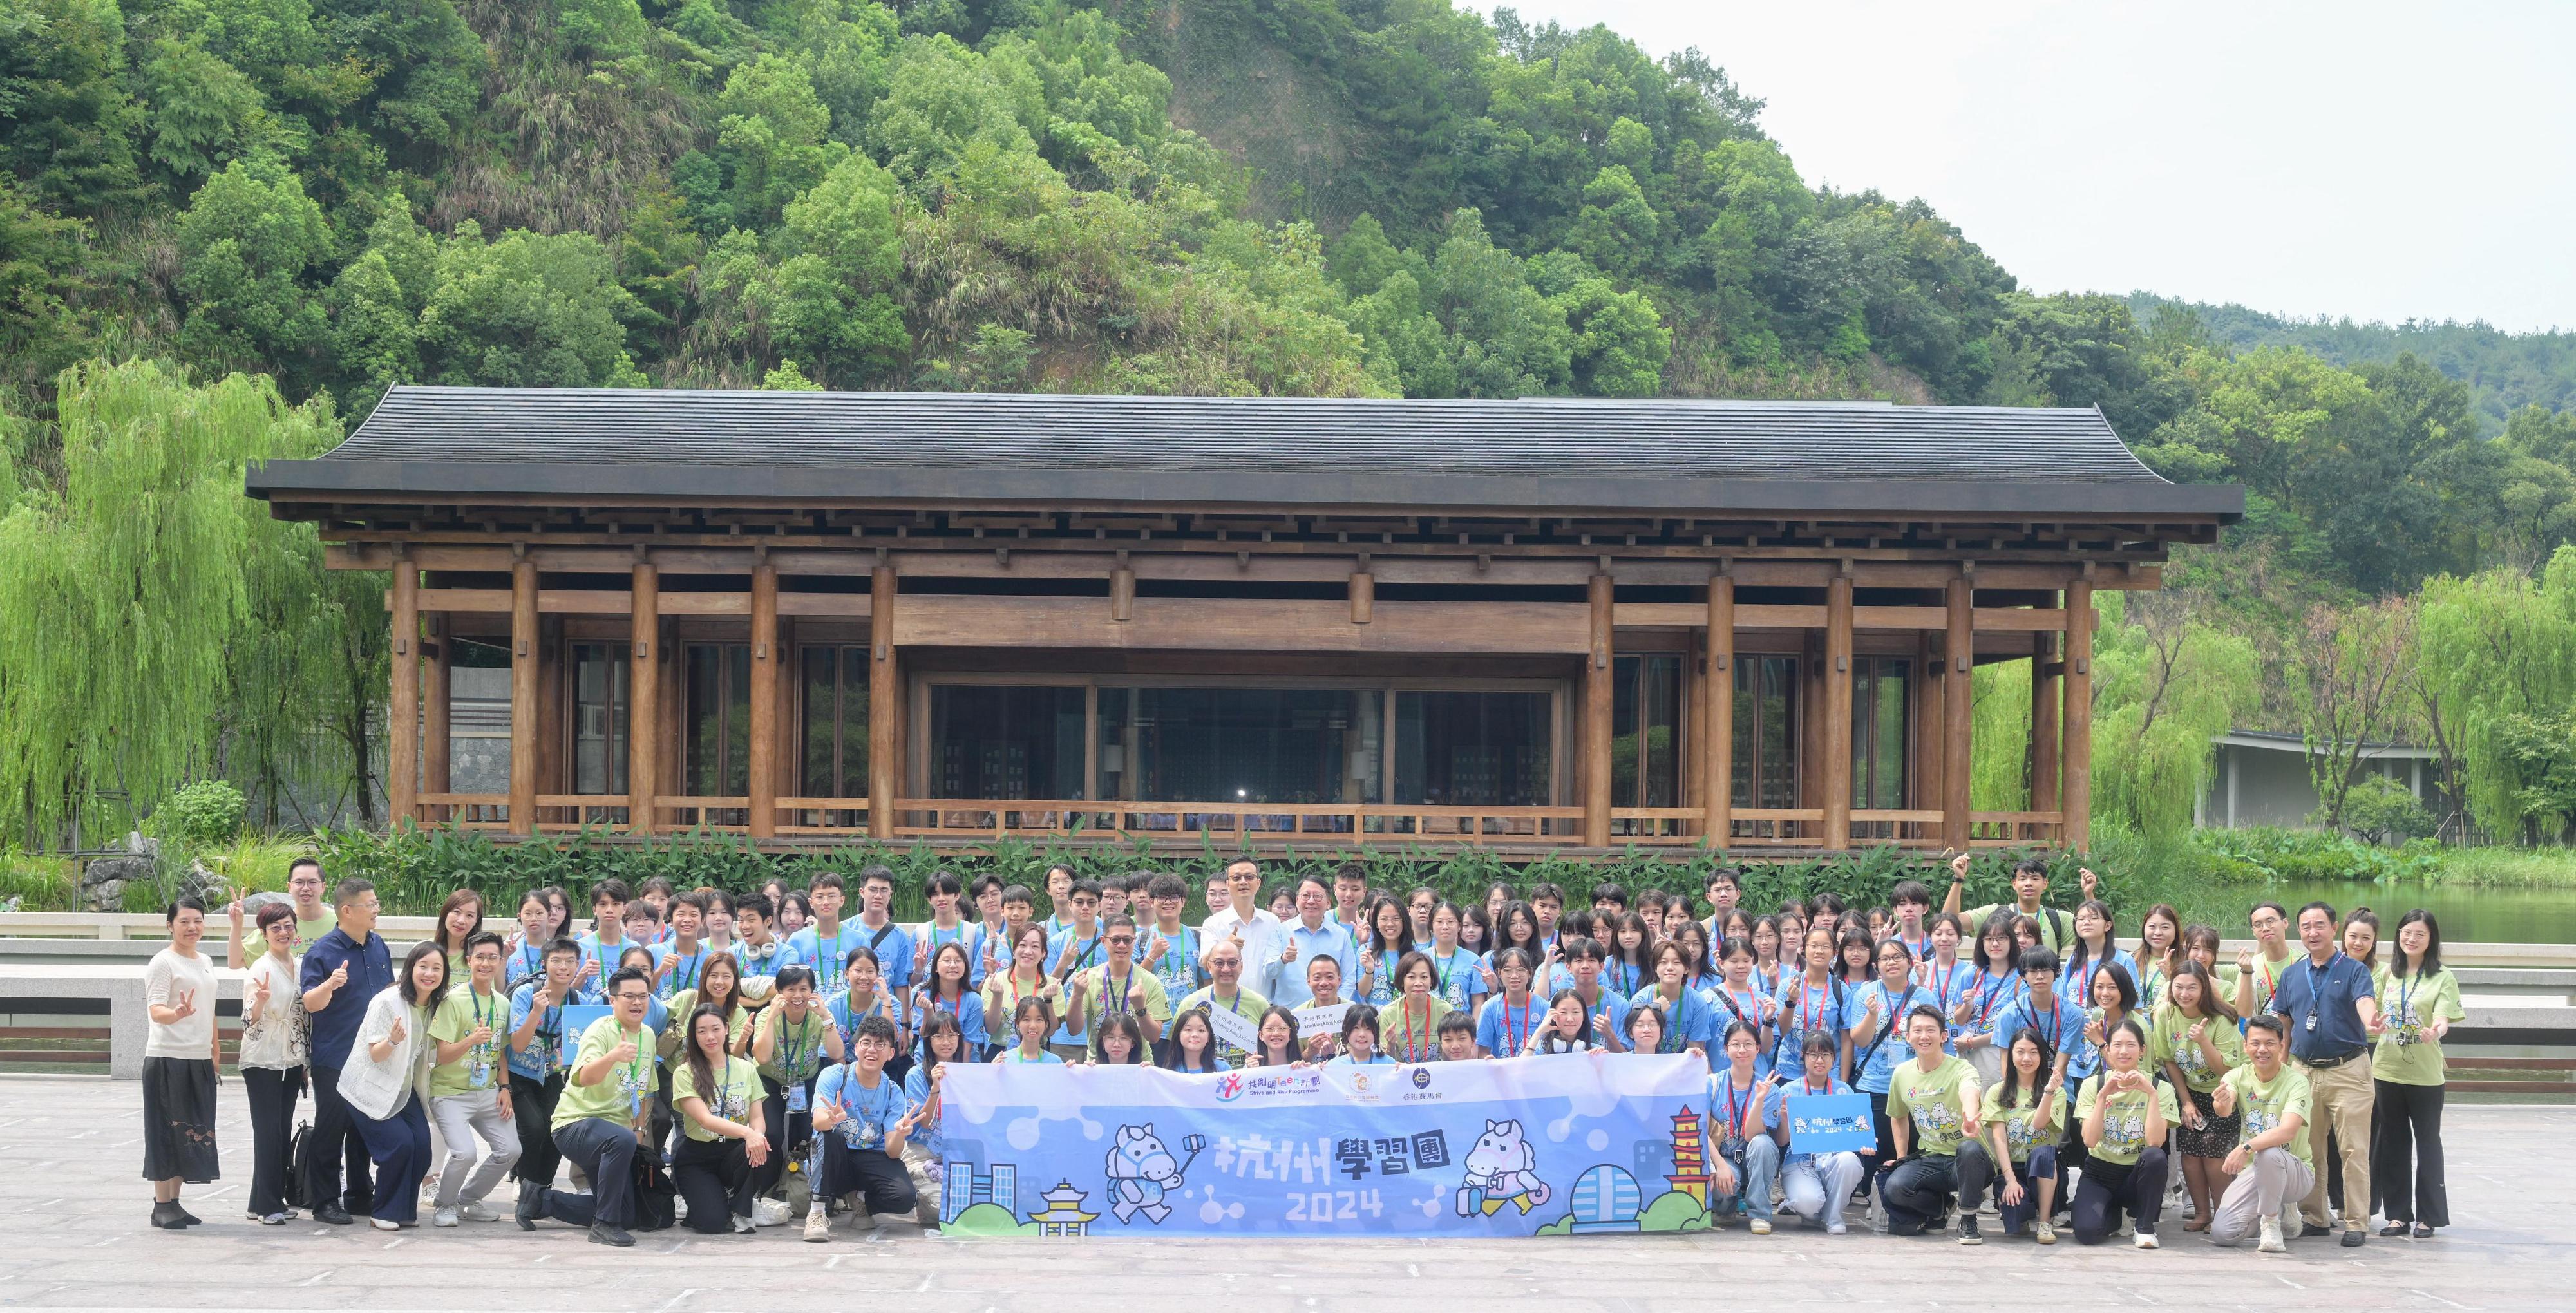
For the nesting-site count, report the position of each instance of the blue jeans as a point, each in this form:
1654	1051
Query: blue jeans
2042	1166
1761	1167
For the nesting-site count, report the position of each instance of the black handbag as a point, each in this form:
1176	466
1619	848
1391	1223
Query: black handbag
297	1157
657	1205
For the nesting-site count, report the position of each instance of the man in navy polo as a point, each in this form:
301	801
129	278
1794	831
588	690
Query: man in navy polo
2332	1009
343	971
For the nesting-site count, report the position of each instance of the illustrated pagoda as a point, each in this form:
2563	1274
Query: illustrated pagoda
1690	1166
1063	1213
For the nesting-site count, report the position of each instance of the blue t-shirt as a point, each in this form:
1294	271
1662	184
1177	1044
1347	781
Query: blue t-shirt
967	935
2061	1024
1877	1056
1731	1119
1347	1063
2075	979
1992	992
1807	1007
969	1011
762	961
688	968
1690	1019
1947	989
1015	1054
827	956
1503	1028
529	961
846	1020
871	1114
1458	976
2318	1004
603	959
1752	1007
916	1092
546	1049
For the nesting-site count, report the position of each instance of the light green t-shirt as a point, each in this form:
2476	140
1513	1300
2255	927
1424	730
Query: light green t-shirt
1935	1101
2265	1107
617	1096
2124	1121
478	1068
2173	1043
685	1003
2022	1131
307	931
1247	1005
737	1087
796	1047
2407	1054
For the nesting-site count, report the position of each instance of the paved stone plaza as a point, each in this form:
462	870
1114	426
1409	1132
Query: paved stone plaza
74	1206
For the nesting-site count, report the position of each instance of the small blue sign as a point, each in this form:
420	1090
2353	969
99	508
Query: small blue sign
1830	1123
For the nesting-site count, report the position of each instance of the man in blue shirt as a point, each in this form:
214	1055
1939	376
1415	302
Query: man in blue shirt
2331	1006
343	971
1311	935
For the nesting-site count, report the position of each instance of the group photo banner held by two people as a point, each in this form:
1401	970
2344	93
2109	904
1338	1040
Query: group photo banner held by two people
1570	1144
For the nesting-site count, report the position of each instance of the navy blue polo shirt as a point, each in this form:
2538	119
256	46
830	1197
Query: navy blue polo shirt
371	972
2328	995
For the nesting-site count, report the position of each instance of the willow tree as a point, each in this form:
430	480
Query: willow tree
2490	648
125	591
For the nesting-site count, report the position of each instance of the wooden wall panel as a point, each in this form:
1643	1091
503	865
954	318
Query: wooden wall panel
1229	624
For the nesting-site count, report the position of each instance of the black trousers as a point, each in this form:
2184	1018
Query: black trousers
1886	1141
2105	1190
881	1180
532	1108
335	1146
782	1149
272	1134
2406	1163
1915	1191
714	1176
606	1151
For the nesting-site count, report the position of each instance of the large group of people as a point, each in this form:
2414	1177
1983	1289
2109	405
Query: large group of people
751	1057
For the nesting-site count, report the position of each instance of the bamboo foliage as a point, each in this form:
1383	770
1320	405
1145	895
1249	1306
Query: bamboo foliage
125	595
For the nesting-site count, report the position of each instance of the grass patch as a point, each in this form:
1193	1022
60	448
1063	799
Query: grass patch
2508	868
39	883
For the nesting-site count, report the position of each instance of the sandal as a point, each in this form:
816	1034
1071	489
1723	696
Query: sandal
2393	1229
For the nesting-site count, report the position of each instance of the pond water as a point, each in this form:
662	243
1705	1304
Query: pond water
2466	915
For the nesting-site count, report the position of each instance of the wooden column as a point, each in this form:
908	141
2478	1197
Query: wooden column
524	713
1838	712
1122	592
1596	720
1717	715
885	705
1363	596
2044	670
1958	670
402	719
764	701
436	738
2077	791
644	697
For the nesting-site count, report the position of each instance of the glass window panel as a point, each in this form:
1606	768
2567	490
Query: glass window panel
1472	749
1645	712
1879	686
995	741
854	723
821	727
717	678
1238	744
599	707
1766	732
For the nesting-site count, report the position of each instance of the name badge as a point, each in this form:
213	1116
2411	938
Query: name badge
796	1097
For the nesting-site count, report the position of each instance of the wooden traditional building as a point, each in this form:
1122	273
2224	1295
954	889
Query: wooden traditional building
1533	623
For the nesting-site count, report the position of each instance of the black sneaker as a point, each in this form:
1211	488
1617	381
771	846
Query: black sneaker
165	1215
531	1205
1968	1230
601	1233
181	1212
333	1214
2352	1238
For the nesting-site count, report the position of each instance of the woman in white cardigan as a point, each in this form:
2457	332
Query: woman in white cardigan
386	1083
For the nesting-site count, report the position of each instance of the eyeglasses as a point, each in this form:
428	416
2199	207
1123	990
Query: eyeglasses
367	906
1122	941
630	996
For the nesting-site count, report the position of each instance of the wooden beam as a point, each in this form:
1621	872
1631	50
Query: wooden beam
764	701
1765	615
1958	670
437	684
2078	788
1363	596
885	703
402	728
524	696
1597	679
1717	720
1122	594
1241	624
2045	670
644	699
1838	714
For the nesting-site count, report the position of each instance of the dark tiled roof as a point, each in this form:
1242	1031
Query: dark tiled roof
1531	453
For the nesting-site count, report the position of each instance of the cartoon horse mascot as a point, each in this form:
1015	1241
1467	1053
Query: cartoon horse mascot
1501	1169
1142	1172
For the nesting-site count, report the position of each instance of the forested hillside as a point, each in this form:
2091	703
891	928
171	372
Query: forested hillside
1249	196
2505	371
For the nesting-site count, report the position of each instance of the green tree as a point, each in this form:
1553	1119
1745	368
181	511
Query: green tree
249	244
2493	646
830	301
67	126
527	310
1616	229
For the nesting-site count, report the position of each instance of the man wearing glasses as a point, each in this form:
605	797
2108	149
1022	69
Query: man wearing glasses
1118	985
601	1118
343	972
312	919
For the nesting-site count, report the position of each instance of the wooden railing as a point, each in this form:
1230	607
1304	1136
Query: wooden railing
924	817
469	811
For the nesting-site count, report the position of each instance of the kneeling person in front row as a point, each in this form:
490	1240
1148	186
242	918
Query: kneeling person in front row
601	1119
2271	1166
1931	1107
861	1120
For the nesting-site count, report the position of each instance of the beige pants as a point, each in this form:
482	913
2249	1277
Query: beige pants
2339	1100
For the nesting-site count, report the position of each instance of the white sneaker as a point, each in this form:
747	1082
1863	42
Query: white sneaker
2042	1232
2146	1240
2292	1225
476	1212
818	1228
743	1226
383	1225
1761	1226
1835	1228
443	1217
2271	1241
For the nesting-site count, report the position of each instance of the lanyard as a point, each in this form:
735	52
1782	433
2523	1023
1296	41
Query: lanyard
791	1061
1942	979
697	963
1811	1005
2049	1034
1807	1085
1113	994
1737	1110
1673	1040
1519	1031
2406	997
724	1091
1989	989
2316	992
1413	1047
1735	1003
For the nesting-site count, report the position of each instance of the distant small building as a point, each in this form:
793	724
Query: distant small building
1063	1214
2260	777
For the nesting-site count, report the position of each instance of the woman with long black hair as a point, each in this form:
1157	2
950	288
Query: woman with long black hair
2123	1115
2420	999
2023	1115
2195	1041
723	1134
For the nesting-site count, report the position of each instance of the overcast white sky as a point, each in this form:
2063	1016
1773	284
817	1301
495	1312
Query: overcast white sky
2378	160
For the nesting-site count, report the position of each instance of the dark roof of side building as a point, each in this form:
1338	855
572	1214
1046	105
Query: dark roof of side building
1675	457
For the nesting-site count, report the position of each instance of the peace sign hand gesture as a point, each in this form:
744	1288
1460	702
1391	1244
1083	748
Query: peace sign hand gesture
183	1005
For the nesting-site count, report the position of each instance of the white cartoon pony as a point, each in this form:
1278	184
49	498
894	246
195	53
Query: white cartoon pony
1501	1169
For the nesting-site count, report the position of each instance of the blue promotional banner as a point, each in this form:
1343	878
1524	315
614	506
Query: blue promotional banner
1830	1123
1569	1144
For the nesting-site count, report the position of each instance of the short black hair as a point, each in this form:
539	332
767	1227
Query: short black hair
878	1028
564	944
789	977
2270	1022
481	937
623	974
184	902
757	905
1546	889
2039	957
869	875
1167	886
611	890
2319	906
941	882
349	891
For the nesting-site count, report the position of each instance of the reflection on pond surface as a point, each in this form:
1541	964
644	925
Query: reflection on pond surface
2508	915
